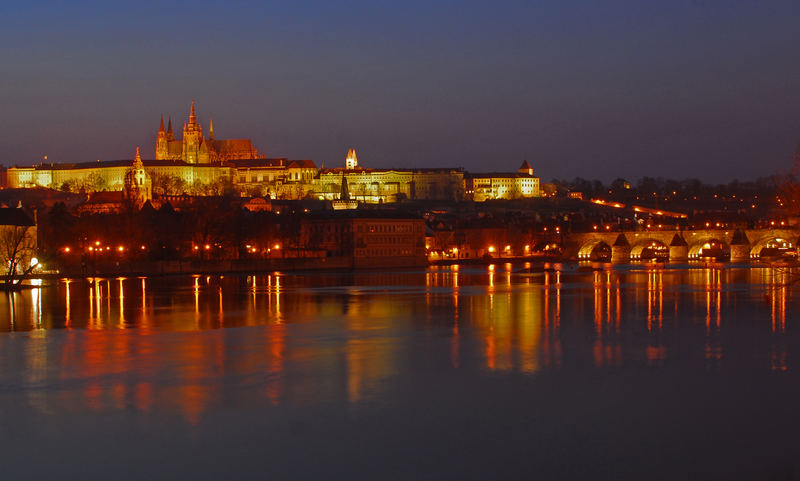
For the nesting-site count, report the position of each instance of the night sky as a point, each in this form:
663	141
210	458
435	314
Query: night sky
593	89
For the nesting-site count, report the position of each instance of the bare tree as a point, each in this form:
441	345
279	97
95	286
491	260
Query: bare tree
18	250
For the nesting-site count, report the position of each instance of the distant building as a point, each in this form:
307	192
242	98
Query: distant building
375	186
194	148
495	185
372	238
199	165
138	186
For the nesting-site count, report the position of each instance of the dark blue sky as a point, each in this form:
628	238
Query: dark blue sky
579	88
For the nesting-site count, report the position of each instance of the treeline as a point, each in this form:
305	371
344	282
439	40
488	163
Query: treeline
648	187
162	185
166	234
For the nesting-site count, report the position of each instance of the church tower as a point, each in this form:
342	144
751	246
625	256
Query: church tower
193	140
162	149
138	187
351	161
525	168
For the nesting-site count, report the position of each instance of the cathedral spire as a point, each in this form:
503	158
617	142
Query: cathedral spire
161	127
192	116
211	128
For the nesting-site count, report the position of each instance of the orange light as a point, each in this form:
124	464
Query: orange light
120	248
277	246
196	247
207	247
66	249
142	247
491	248
97	243
91	248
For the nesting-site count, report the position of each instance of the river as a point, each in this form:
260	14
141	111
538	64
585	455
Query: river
470	372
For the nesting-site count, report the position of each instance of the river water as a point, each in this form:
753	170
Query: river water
636	372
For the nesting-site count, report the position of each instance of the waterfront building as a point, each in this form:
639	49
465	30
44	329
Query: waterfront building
372	238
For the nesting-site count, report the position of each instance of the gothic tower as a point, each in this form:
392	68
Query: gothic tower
193	140
162	150
351	161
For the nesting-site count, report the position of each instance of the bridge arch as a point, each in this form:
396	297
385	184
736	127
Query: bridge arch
709	247
595	249
650	249
771	245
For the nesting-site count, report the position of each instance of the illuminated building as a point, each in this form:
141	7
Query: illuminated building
372	238
138	187
494	185
193	148
276	178
207	166
389	185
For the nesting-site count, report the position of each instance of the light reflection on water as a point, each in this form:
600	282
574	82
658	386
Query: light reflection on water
158	345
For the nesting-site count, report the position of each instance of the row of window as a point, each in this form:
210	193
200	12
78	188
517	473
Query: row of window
383	252
380	239
392	228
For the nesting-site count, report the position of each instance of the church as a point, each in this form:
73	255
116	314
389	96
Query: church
194	148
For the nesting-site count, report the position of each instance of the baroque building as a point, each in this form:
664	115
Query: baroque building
138	185
194	148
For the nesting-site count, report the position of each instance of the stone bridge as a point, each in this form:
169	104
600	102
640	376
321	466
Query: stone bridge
743	244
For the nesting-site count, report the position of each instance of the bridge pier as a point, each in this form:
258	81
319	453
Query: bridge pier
678	249
621	250
740	247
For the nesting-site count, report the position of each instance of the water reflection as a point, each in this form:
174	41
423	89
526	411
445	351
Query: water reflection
156	344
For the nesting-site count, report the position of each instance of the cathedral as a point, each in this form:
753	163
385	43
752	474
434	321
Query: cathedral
193	148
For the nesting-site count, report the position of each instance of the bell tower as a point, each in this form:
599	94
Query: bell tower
138	187
192	139
351	161
162	150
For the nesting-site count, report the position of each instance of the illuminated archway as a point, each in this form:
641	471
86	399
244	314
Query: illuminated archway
650	249
772	247
710	247
595	250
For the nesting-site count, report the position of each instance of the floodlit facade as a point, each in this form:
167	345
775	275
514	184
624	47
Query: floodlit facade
519	185
203	165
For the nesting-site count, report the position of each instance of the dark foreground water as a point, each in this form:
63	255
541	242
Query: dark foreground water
471	373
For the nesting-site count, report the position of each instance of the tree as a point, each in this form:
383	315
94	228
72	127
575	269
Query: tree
18	249
96	182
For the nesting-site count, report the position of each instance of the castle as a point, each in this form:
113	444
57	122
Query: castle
199	165
193	148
